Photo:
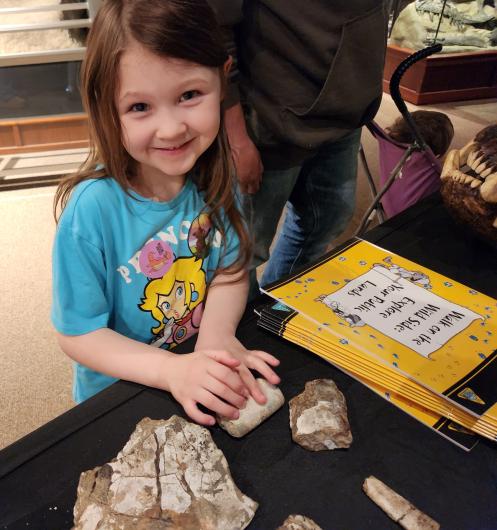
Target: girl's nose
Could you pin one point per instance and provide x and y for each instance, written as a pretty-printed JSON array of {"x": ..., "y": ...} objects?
[{"x": 170, "y": 126}]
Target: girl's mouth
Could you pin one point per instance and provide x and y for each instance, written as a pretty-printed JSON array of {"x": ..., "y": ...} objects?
[{"x": 175, "y": 149}]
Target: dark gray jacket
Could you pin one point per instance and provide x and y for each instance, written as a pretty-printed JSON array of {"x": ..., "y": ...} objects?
[{"x": 311, "y": 69}]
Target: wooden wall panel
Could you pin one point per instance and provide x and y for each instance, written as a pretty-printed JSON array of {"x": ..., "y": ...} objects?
[
  {"x": 7, "y": 136},
  {"x": 33, "y": 133},
  {"x": 47, "y": 133}
]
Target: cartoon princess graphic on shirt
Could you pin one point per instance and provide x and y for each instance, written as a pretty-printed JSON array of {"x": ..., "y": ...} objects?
[{"x": 176, "y": 302}]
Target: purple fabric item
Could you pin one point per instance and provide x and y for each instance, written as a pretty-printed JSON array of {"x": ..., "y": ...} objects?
[{"x": 419, "y": 177}]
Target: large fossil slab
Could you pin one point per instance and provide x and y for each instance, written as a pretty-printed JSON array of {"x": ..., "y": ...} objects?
[
  {"x": 170, "y": 475},
  {"x": 318, "y": 417}
]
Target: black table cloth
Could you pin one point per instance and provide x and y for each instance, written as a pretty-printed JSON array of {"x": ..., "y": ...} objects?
[{"x": 39, "y": 473}]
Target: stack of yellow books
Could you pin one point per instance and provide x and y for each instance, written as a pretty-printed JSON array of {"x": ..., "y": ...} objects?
[{"x": 421, "y": 340}]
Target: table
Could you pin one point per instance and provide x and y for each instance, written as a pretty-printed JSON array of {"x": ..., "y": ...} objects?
[{"x": 40, "y": 472}]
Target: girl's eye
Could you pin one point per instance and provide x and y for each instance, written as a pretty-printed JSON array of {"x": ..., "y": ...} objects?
[
  {"x": 190, "y": 94},
  {"x": 139, "y": 107},
  {"x": 179, "y": 292},
  {"x": 166, "y": 306}
]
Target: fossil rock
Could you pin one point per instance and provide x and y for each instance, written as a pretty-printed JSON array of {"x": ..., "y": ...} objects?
[
  {"x": 254, "y": 414},
  {"x": 298, "y": 522},
  {"x": 318, "y": 417},
  {"x": 469, "y": 184},
  {"x": 396, "y": 507},
  {"x": 170, "y": 475}
]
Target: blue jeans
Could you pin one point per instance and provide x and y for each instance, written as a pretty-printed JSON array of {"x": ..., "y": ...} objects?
[{"x": 320, "y": 198}]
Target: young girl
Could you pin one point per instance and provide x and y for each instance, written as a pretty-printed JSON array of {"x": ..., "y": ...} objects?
[{"x": 133, "y": 274}]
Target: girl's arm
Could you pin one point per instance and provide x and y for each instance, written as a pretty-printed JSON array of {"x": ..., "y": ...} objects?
[
  {"x": 225, "y": 304},
  {"x": 200, "y": 377}
]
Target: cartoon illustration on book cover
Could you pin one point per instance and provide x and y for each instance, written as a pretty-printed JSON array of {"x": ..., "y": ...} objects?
[
  {"x": 417, "y": 277},
  {"x": 340, "y": 311}
]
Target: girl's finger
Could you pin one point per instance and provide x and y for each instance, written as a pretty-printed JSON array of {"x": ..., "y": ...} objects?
[
  {"x": 264, "y": 370},
  {"x": 229, "y": 377},
  {"x": 267, "y": 357},
  {"x": 223, "y": 357},
  {"x": 218, "y": 406},
  {"x": 196, "y": 415},
  {"x": 221, "y": 390},
  {"x": 252, "y": 385}
]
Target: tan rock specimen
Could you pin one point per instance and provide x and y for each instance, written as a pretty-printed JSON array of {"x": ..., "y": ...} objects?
[
  {"x": 318, "y": 417},
  {"x": 396, "y": 507},
  {"x": 254, "y": 414},
  {"x": 298, "y": 522},
  {"x": 170, "y": 475}
]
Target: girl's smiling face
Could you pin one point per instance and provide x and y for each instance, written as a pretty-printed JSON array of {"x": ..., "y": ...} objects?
[{"x": 169, "y": 111}]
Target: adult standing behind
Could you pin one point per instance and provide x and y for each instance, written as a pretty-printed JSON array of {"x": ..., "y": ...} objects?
[{"x": 306, "y": 77}]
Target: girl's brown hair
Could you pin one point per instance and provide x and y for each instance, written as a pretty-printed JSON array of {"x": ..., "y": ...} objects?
[{"x": 180, "y": 29}]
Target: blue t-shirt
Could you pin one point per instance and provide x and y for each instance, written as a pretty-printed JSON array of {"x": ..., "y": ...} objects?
[{"x": 133, "y": 265}]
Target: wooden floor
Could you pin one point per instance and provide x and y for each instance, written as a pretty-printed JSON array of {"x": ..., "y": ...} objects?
[{"x": 36, "y": 377}]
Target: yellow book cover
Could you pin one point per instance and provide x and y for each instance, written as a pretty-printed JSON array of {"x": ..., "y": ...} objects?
[{"x": 430, "y": 328}]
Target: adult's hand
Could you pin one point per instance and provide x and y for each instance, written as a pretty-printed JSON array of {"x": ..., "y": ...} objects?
[
  {"x": 246, "y": 157},
  {"x": 248, "y": 166}
]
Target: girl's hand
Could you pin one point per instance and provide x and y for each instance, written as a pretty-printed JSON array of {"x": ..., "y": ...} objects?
[
  {"x": 208, "y": 377},
  {"x": 260, "y": 361}
]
